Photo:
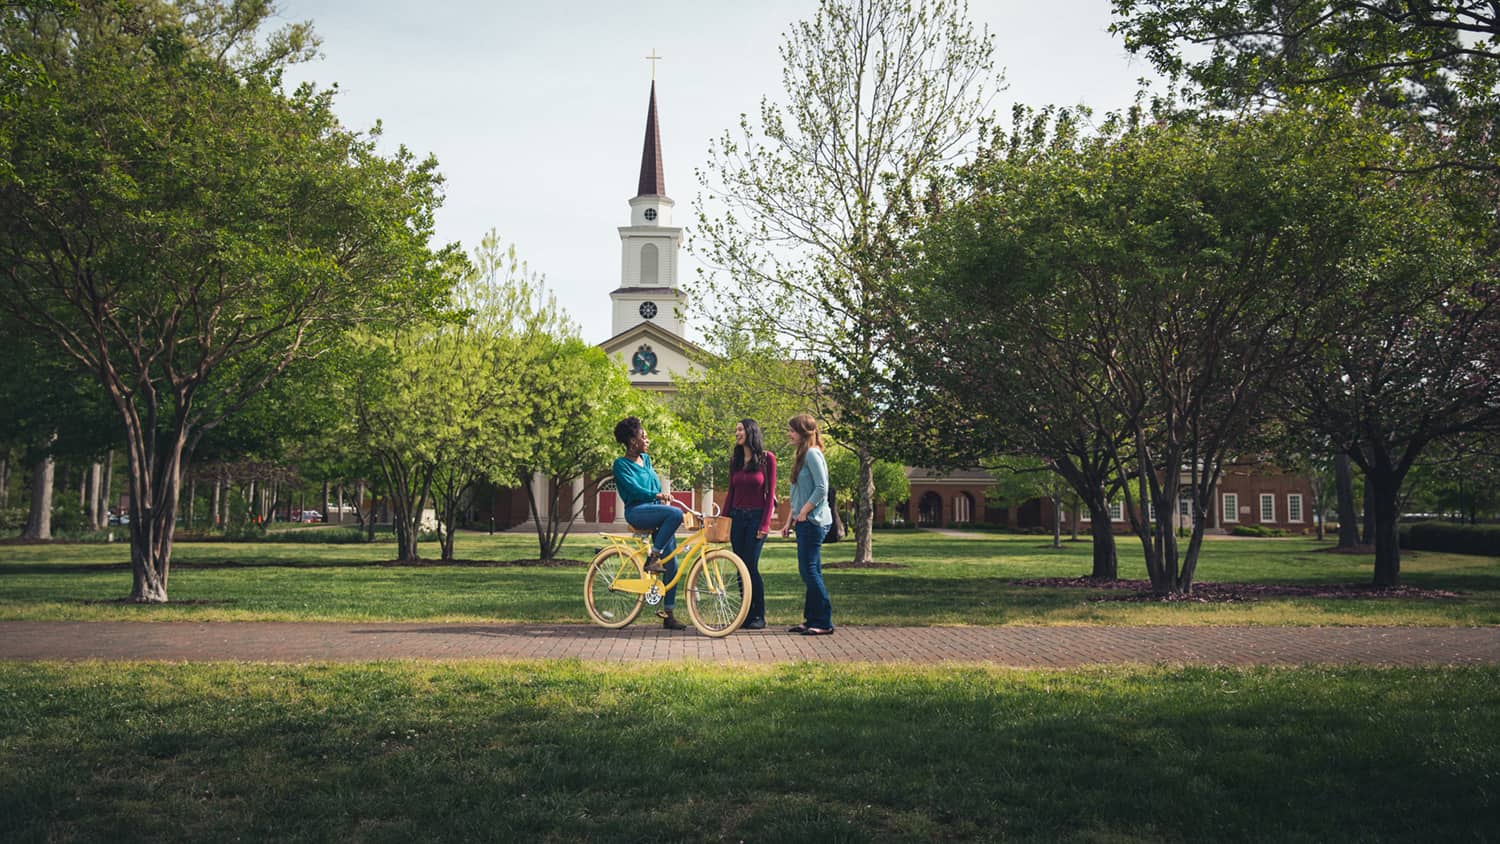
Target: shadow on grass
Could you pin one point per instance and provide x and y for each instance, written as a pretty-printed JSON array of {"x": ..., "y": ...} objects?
[
  {"x": 212, "y": 565},
  {"x": 796, "y": 753}
]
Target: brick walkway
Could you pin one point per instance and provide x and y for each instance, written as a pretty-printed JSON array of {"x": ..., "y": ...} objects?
[{"x": 1011, "y": 646}]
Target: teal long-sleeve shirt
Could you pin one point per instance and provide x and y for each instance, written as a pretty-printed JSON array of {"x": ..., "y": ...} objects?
[
  {"x": 636, "y": 483},
  {"x": 811, "y": 484}
]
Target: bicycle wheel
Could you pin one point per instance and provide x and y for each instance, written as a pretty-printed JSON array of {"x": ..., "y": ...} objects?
[
  {"x": 718, "y": 593},
  {"x": 607, "y": 607}
]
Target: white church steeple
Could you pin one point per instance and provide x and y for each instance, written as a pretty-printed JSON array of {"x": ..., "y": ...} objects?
[{"x": 650, "y": 246}]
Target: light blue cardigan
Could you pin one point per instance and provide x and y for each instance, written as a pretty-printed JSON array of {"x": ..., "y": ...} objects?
[{"x": 811, "y": 484}]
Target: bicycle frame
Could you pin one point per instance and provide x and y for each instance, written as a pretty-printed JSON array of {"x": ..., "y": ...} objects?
[{"x": 687, "y": 552}]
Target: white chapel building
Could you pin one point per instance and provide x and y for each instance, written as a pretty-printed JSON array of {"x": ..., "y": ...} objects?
[{"x": 649, "y": 309}]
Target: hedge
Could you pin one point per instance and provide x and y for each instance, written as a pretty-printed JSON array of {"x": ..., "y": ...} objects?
[{"x": 1453, "y": 538}]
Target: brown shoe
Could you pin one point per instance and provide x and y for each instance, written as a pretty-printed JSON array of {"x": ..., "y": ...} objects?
[
  {"x": 653, "y": 564},
  {"x": 670, "y": 621}
]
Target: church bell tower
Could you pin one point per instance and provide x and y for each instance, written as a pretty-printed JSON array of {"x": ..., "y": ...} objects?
[{"x": 649, "y": 246}]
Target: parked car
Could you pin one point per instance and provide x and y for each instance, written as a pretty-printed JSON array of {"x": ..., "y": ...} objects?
[{"x": 310, "y": 516}]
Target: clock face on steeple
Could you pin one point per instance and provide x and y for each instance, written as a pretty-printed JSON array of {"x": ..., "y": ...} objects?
[
  {"x": 648, "y": 310},
  {"x": 650, "y": 214}
]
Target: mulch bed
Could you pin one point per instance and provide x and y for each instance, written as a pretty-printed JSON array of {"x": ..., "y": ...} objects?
[
  {"x": 853, "y": 565},
  {"x": 1228, "y": 593},
  {"x": 200, "y": 602}
]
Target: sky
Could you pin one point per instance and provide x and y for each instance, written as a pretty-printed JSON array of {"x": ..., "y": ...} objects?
[{"x": 536, "y": 110}]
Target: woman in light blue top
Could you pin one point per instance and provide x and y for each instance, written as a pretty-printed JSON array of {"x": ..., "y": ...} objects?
[
  {"x": 646, "y": 507},
  {"x": 810, "y": 517}
]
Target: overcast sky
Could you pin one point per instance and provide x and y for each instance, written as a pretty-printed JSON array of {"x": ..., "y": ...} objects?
[{"x": 536, "y": 111}]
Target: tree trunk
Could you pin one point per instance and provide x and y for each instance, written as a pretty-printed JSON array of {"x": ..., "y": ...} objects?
[
  {"x": 1074, "y": 522},
  {"x": 1056, "y": 522},
  {"x": 4, "y": 478},
  {"x": 864, "y": 508},
  {"x": 213, "y": 504},
  {"x": 324, "y": 511},
  {"x": 543, "y": 532},
  {"x": 90, "y": 489},
  {"x": 192, "y": 501},
  {"x": 39, "y": 520},
  {"x": 1369, "y": 521},
  {"x": 370, "y": 519},
  {"x": 360, "y": 514},
  {"x": 1106, "y": 561},
  {"x": 1344, "y": 494},
  {"x": 106, "y": 489},
  {"x": 1384, "y": 487},
  {"x": 155, "y": 479}
]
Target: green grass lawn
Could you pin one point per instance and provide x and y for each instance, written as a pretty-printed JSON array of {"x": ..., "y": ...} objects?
[
  {"x": 943, "y": 580},
  {"x": 566, "y": 751}
]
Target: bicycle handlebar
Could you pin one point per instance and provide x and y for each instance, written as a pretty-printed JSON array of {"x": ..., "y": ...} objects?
[{"x": 717, "y": 512}]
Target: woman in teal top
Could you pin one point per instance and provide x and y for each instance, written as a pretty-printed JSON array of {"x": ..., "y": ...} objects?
[
  {"x": 810, "y": 517},
  {"x": 645, "y": 507}
]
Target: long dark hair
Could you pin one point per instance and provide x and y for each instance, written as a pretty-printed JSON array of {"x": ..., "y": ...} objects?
[{"x": 754, "y": 443}]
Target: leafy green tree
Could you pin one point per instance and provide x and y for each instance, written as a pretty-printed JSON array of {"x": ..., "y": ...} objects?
[
  {"x": 512, "y": 318},
  {"x": 50, "y": 410},
  {"x": 999, "y": 377},
  {"x": 186, "y": 229},
  {"x": 577, "y": 395},
  {"x": 891, "y": 484},
  {"x": 812, "y": 201},
  {"x": 441, "y": 405},
  {"x": 747, "y": 378},
  {"x": 1430, "y": 67},
  {"x": 1189, "y": 269},
  {"x": 1431, "y": 72}
]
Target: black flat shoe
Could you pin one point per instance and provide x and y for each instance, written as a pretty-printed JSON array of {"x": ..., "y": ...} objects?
[
  {"x": 818, "y": 631},
  {"x": 801, "y": 628},
  {"x": 670, "y": 622},
  {"x": 757, "y": 624}
]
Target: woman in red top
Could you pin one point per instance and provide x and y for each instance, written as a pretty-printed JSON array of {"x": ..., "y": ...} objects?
[{"x": 752, "y": 488}]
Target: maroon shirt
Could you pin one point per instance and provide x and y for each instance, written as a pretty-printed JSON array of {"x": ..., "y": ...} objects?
[{"x": 754, "y": 489}]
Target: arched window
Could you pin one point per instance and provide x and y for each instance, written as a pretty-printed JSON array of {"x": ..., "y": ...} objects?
[
  {"x": 648, "y": 265},
  {"x": 963, "y": 508},
  {"x": 930, "y": 510}
]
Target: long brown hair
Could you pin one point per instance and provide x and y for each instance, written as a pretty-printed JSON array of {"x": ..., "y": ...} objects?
[{"x": 807, "y": 428}]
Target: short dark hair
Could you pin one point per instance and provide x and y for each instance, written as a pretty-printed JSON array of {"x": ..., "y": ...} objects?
[{"x": 627, "y": 429}]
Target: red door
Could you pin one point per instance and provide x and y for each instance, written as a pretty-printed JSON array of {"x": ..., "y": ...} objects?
[
  {"x": 684, "y": 498},
  {"x": 606, "y": 506}
]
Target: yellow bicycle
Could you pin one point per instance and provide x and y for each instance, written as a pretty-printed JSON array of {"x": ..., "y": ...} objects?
[{"x": 718, "y": 582}]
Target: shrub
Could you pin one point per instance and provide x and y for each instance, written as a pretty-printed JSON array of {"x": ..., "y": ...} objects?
[
  {"x": 1256, "y": 530},
  {"x": 1452, "y": 538}
]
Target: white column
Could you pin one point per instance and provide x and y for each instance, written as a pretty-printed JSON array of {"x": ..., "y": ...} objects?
[
  {"x": 577, "y": 498},
  {"x": 539, "y": 489}
]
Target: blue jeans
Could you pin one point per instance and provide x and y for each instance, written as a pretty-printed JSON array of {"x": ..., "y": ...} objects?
[
  {"x": 666, "y": 519},
  {"x": 817, "y": 611},
  {"x": 743, "y": 527}
]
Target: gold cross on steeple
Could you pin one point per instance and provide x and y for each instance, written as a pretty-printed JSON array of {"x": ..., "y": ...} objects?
[{"x": 653, "y": 59}]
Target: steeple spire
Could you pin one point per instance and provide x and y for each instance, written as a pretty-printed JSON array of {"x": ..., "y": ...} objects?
[{"x": 653, "y": 182}]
